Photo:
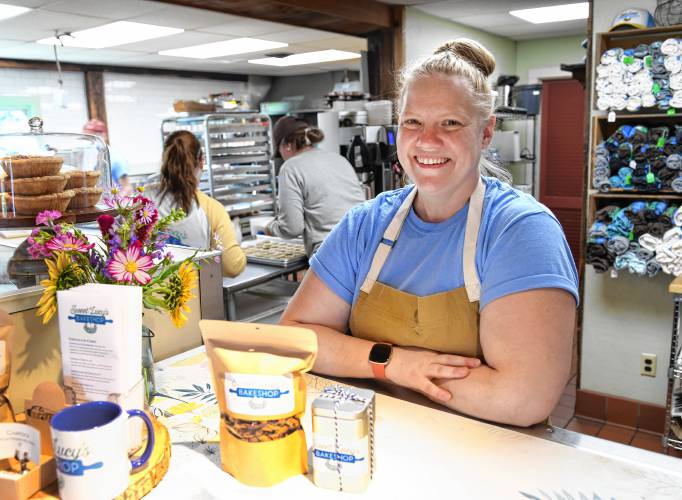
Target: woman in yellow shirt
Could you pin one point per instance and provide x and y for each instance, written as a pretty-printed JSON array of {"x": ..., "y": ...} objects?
[{"x": 207, "y": 224}]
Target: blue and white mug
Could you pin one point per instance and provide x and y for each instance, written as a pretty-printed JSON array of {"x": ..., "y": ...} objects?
[{"x": 90, "y": 446}]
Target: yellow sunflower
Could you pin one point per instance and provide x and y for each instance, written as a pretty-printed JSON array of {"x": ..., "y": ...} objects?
[
  {"x": 180, "y": 288},
  {"x": 63, "y": 274}
]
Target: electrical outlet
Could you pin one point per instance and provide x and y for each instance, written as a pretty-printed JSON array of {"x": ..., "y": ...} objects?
[{"x": 647, "y": 365}]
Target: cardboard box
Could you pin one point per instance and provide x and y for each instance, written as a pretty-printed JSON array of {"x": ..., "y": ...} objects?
[{"x": 15, "y": 486}]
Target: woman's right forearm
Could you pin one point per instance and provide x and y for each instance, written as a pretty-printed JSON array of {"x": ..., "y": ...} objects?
[
  {"x": 233, "y": 260},
  {"x": 338, "y": 354}
]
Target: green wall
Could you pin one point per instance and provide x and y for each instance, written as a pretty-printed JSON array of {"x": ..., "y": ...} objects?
[{"x": 547, "y": 52}]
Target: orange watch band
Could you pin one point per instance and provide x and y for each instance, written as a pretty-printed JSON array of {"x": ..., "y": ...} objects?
[
  {"x": 378, "y": 369},
  {"x": 379, "y": 357}
]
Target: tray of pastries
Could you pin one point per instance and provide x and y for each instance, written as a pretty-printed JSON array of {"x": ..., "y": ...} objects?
[{"x": 275, "y": 253}]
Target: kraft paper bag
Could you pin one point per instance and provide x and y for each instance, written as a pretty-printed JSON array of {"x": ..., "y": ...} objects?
[{"x": 258, "y": 380}]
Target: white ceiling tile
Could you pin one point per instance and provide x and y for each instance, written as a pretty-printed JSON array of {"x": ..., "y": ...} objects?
[
  {"x": 39, "y": 24},
  {"x": 85, "y": 56},
  {"x": 546, "y": 30},
  {"x": 118, "y": 9},
  {"x": 244, "y": 26},
  {"x": 350, "y": 43},
  {"x": 490, "y": 21},
  {"x": 185, "y": 39},
  {"x": 175, "y": 16},
  {"x": 142, "y": 59},
  {"x": 301, "y": 35},
  {"x": 454, "y": 9}
]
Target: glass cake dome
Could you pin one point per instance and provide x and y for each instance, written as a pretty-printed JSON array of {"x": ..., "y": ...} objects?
[{"x": 52, "y": 171}]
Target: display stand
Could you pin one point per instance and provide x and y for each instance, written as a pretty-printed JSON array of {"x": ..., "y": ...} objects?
[
  {"x": 74, "y": 216},
  {"x": 238, "y": 152}
]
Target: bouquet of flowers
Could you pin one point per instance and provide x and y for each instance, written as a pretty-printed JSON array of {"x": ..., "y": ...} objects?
[{"x": 130, "y": 251}]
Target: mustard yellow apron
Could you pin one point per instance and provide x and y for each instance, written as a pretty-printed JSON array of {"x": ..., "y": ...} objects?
[{"x": 444, "y": 322}]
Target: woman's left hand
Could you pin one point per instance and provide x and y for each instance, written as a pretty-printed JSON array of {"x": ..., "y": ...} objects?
[{"x": 419, "y": 369}]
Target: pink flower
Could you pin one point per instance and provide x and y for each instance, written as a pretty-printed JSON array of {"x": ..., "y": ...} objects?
[
  {"x": 117, "y": 201},
  {"x": 148, "y": 214},
  {"x": 131, "y": 265},
  {"x": 68, "y": 243},
  {"x": 47, "y": 216}
]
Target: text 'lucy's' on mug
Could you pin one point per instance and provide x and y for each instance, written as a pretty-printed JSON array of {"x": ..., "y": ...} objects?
[{"x": 90, "y": 446}]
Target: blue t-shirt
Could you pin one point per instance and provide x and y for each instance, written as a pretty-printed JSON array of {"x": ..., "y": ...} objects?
[{"x": 521, "y": 246}]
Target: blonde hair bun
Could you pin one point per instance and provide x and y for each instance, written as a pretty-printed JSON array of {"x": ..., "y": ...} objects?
[{"x": 472, "y": 52}]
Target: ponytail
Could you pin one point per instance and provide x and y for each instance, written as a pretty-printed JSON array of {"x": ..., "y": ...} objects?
[
  {"x": 304, "y": 137},
  {"x": 181, "y": 157}
]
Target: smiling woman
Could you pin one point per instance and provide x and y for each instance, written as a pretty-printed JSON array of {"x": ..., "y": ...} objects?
[{"x": 458, "y": 286}]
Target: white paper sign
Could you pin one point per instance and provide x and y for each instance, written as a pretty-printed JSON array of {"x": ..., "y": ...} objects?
[
  {"x": 259, "y": 395},
  {"x": 20, "y": 441},
  {"x": 100, "y": 337}
]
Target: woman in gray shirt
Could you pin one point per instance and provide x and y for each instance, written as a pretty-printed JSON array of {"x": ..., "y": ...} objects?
[{"x": 316, "y": 187}]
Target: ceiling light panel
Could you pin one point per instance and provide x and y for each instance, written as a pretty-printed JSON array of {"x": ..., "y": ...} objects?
[
  {"x": 224, "y": 48},
  {"x": 7, "y": 11},
  {"x": 553, "y": 14},
  {"x": 113, "y": 34},
  {"x": 319, "y": 56}
]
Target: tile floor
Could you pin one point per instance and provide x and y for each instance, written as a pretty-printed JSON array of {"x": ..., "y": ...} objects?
[{"x": 564, "y": 416}]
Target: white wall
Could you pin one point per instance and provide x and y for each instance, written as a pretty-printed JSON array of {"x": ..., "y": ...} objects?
[
  {"x": 627, "y": 316},
  {"x": 59, "y": 115},
  {"x": 622, "y": 318},
  {"x": 136, "y": 104},
  {"x": 424, "y": 33}
]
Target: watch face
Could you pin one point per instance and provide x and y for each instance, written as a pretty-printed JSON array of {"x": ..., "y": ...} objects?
[{"x": 380, "y": 353}]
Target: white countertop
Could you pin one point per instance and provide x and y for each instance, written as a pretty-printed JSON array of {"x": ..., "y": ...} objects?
[{"x": 421, "y": 452}]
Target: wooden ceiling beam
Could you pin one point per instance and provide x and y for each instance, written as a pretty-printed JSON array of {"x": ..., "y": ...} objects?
[{"x": 350, "y": 17}]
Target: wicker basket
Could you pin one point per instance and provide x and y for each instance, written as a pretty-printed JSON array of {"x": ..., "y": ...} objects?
[
  {"x": 32, "y": 205},
  {"x": 34, "y": 186},
  {"x": 81, "y": 178},
  {"x": 86, "y": 197},
  {"x": 22, "y": 166}
]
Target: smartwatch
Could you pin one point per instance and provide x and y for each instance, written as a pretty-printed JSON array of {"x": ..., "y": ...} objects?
[{"x": 379, "y": 357}]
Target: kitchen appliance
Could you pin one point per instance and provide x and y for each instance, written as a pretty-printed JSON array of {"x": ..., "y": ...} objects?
[
  {"x": 373, "y": 156},
  {"x": 352, "y": 118},
  {"x": 504, "y": 89}
]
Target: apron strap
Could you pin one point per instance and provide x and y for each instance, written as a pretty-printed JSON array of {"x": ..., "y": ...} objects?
[
  {"x": 387, "y": 242},
  {"x": 471, "y": 281}
]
